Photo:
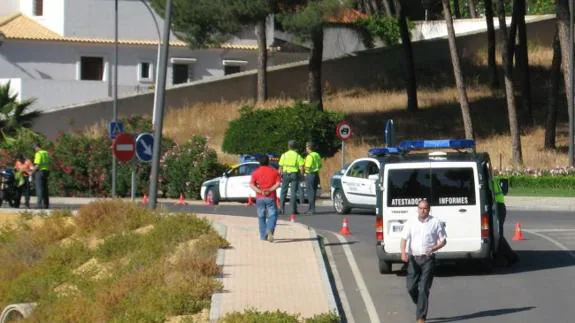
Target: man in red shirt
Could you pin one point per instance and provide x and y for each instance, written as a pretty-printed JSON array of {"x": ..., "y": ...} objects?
[{"x": 265, "y": 180}]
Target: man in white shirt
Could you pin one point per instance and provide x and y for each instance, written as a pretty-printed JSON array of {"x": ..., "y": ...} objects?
[{"x": 425, "y": 236}]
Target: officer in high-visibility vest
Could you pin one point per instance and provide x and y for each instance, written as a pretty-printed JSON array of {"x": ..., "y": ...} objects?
[
  {"x": 312, "y": 167},
  {"x": 505, "y": 255},
  {"x": 291, "y": 166},
  {"x": 41, "y": 173}
]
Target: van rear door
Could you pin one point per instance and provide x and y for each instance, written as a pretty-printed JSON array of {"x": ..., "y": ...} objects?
[{"x": 453, "y": 193}]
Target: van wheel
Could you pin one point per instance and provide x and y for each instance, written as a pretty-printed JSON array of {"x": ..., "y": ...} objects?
[
  {"x": 384, "y": 267},
  {"x": 487, "y": 264},
  {"x": 339, "y": 203}
]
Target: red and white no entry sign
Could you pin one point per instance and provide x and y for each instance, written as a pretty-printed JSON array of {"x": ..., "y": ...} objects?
[
  {"x": 343, "y": 130},
  {"x": 124, "y": 147}
]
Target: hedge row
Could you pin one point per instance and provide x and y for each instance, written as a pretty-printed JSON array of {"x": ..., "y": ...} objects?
[{"x": 541, "y": 182}]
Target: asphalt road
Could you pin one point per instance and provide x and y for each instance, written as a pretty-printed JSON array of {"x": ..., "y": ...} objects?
[{"x": 539, "y": 288}]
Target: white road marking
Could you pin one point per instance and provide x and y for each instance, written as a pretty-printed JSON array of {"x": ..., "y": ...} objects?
[
  {"x": 371, "y": 311},
  {"x": 339, "y": 285},
  {"x": 553, "y": 241},
  {"x": 552, "y": 230}
]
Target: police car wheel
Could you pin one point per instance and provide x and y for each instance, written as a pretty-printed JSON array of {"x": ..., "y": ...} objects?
[
  {"x": 211, "y": 197},
  {"x": 339, "y": 203},
  {"x": 384, "y": 267}
]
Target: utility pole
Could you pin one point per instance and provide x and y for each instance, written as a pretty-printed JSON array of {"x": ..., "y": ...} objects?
[
  {"x": 159, "y": 103},
  {"x": 115, "y": 93},
  {"x": 571, "y": 81}
]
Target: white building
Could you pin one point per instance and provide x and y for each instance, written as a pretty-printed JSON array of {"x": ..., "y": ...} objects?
[{"x": 61, "y": 51}]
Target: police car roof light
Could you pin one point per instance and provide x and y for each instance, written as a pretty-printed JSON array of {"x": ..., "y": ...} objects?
[
  {"x": 254, "y": 157},
  {"x": 384, "y": 151},
  {"x": 435, "y": 144}
]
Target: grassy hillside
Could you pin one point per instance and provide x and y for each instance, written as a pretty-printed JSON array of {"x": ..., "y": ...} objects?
[{"x": 439, "y": 116}]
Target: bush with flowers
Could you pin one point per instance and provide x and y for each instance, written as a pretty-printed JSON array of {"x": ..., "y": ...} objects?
[
  {"x": 541, "y": 178},
  {"x": 184, "y": 167}
]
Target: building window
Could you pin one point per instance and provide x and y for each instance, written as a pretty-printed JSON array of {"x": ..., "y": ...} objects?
[
  {"x": 231, "y": 69},
  {"x": 180, "y": 73},
  {"x": 233, "y": 66},
  {"x": 38, "y": 7},
  {"x": 91, "y": 68},
  {"x": 145, "y": 72}
]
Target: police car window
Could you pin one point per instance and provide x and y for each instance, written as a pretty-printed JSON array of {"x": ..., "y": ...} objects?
[
  {"x": 372, "y": 168},
  {"x": 440, "y": 186},
  {"x": 358, "y": 170}
]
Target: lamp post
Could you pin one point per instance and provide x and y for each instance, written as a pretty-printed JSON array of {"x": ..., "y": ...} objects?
[
  {"x": 115, "y": 92},
  {"x": 570, "y": 100},
  {"x": 154, "y": 112},
  {"x": 159, "y": 102}
]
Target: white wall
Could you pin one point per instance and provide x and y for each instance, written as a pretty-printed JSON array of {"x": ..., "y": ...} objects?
[
  {"x": 53, "y": 14},
  {"x": 9, "y": 7}
]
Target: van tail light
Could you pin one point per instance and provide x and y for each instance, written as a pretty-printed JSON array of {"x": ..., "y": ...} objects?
[
  {"x": 379, "y": 228},
  {"x": 485, "y": 226}
]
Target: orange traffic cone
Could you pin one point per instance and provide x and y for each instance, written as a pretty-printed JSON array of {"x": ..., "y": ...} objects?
[
  {"x": 345, "y": 227},
  {"x": 518, "y": 234},
  {"x": 292, "y": 218},
  {"x": 181, "y": 200},
  {"x": 145, "y": 201},
  {"x": 250, "y": 201}
]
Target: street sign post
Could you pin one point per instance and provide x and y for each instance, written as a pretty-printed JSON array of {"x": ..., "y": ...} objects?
[
  {"x": 343, "y": 132},
  {"x": 145, "y": 147},
  {"x": 124, "y": 147}
]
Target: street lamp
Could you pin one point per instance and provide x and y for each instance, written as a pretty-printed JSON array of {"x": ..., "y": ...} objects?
[{"x": 157, "y": 60}]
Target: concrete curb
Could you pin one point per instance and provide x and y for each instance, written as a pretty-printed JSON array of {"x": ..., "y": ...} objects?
[
  {"x": 327, "y": 286},
  {"x": 215, "y": 306}
]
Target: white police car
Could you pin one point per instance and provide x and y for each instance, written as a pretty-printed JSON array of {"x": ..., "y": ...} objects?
[
  {"x": 354, "y": 185},
  {"x": 234, "y": 184}
]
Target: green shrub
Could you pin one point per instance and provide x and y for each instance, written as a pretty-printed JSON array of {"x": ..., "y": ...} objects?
[
  {"x": 185, "y": 167},
  {"x": 268, "y": 131},
  {"x": 563, "y": 182}
]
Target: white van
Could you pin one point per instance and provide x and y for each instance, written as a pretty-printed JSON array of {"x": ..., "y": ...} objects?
[{"x": 458, "y": 187}]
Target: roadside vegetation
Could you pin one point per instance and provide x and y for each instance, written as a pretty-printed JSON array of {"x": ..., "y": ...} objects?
[{"x": 113, "y": 262}]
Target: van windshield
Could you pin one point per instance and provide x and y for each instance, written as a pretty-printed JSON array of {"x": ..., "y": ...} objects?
[{"x": 440, "y": 186}]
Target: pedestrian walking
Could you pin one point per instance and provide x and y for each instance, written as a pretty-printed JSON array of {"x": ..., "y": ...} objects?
[
  {"x": 291, "y": 166},
  {"x": 264, "y": 181},
  {"x": 24, "y": 168},
  {"x": 41, "y": 172},
  {"x": 312, "y": 166},
  {"x": 424, "y": 235}
]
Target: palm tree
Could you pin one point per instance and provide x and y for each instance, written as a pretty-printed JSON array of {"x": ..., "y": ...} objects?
[
  {"x": 459, "y": 82},
  {"x": 13, "y": 115}
]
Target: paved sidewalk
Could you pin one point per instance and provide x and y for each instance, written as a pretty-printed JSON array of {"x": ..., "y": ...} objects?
[{"x": 288, "y": 274}]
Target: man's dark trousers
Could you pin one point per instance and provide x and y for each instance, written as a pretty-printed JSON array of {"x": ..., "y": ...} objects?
[
  {"x": 287, "y": 179},
  {"x": 419, "y": 280},
  {"x": 41, "y": 181},
  {"x": 311, "y": 183}
]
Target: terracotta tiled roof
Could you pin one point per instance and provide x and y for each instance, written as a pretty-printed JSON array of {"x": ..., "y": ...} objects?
[
  {"x": 347, "y": 16},
  {"x": 20, "y": 27}
]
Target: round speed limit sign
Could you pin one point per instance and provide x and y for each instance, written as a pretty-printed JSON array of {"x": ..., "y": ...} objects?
[{"x": 343, "y": 130}]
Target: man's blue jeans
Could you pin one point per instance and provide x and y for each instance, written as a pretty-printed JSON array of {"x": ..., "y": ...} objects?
[{"x": 266, "y": 223}]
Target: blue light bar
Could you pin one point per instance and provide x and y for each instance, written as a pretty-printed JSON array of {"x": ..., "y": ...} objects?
[
  {"x": 255, "y": 157},
  {"x": 384, "y": 151},
  {"x": 434, "y": 144}
]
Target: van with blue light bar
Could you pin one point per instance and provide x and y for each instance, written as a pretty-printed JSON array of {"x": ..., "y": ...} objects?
[{"x": 455, "y": 180}]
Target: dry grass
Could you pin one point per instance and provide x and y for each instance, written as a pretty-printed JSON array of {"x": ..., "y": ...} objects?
[{"x": 439, "y": 116}]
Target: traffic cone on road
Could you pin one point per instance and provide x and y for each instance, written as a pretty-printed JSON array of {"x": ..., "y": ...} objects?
[
  {"x": 344, "y": 231},
  {"x": 181, "y": 200},
  {"x": 518, "y": 234},
  {"x": 292, "y": 218},
  {"x": 145, "y": 201},
  {"x": 250, "y": 201}
]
